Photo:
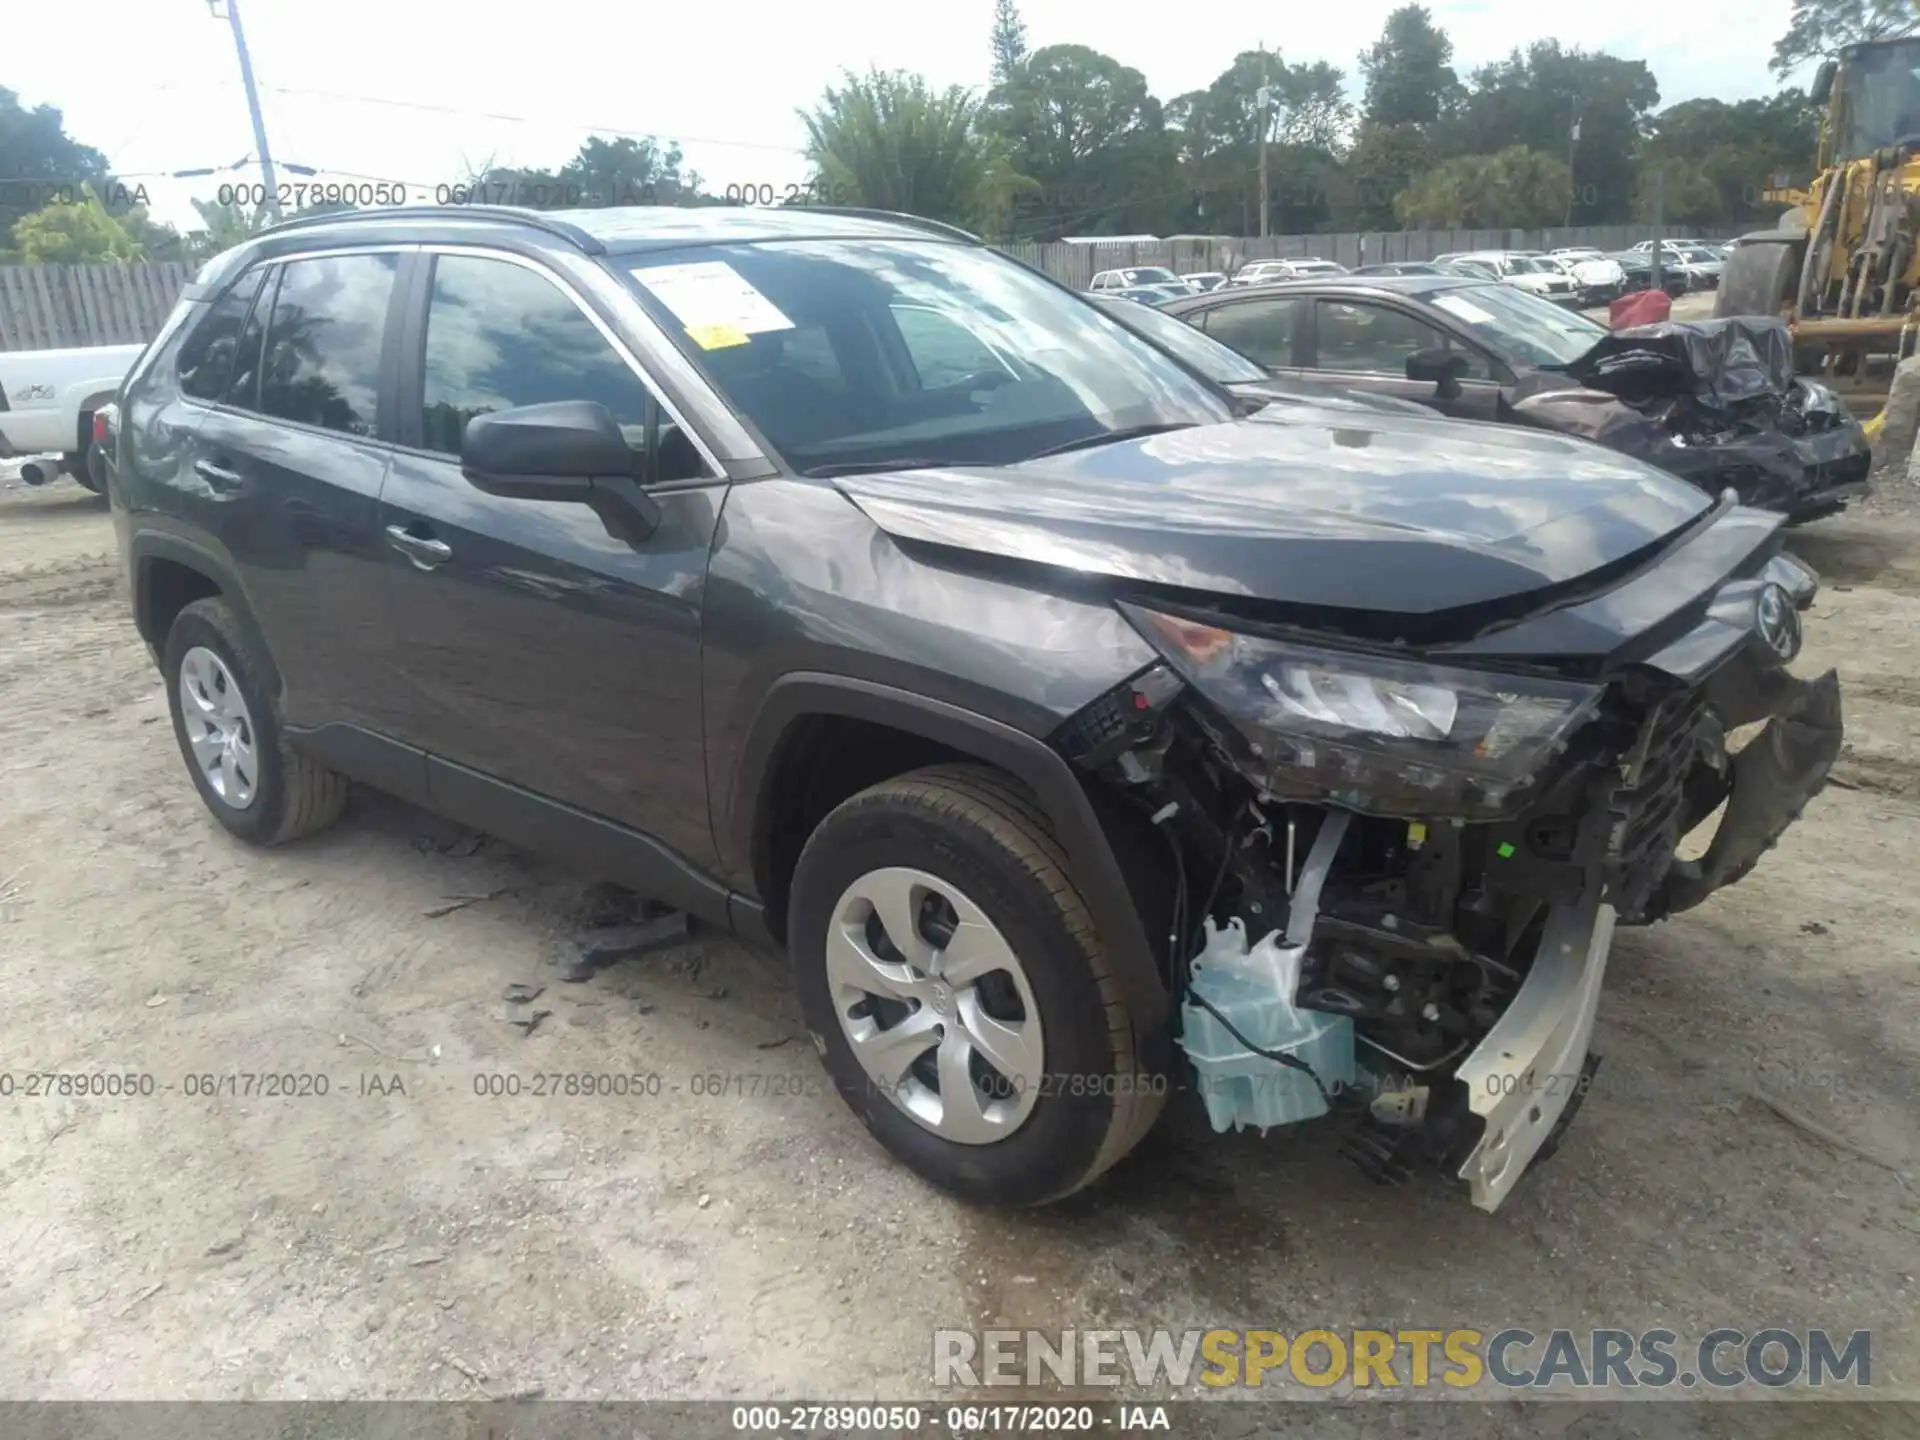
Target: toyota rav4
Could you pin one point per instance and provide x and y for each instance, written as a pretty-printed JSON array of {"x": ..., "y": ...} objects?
[{"x": 1081, "y": 730}]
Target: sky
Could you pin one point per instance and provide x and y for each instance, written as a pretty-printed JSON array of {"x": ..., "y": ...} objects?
[{"x": 418, "y": 92}]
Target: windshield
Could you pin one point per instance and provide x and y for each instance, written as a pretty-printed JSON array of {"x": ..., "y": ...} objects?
[
  {"x": 1150, "y": 275},
  {"x": 1205, "y": 354},
  {"x": 1699, "y": 253},
  {"x": 909, "y": 352},
  {"x": 1880, "y": 101},
  {"x": 1520, "y": 326}
]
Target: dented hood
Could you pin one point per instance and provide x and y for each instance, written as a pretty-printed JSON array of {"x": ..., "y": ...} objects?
[{"x": 1370, "y": 512}]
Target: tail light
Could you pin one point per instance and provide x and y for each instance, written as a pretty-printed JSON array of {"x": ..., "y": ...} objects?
[{"x": 99, "y": 429}]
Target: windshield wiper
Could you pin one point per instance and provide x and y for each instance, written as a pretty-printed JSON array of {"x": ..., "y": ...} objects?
[{"x": 1108, "y": 437}]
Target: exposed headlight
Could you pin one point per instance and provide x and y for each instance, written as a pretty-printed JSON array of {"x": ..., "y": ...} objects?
[{"x": 1384, "y": 736}]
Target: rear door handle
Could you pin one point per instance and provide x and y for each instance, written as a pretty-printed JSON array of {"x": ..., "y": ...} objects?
[
  {"x": 423, "y": 550},
  {"x": 219, "y": 477}
]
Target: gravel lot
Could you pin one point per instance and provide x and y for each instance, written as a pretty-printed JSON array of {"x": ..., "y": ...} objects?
[{"x": 431, "y": 1242}]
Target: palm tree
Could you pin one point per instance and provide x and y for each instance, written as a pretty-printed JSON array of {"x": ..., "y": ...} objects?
[{"x": 887, "y": 140}]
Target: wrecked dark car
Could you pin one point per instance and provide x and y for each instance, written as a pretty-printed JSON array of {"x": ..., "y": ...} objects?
[
  {"x": 1080, "y": 737},
  {"x": 1715, "y": 402}
]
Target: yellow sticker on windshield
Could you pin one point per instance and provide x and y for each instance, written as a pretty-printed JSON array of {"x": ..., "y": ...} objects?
[{"x": 717, "y": 337}]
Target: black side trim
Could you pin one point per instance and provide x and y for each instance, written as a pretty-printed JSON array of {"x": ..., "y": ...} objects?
[
  {"x": 372, "y": 759},
  {"x": 145, "y": 546},
  {"x": 1042, "y": 769},
  {"x": 596, "y": 844}
]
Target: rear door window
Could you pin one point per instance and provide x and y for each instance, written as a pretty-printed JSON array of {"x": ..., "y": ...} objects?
[{"x": 322, "y": 364}]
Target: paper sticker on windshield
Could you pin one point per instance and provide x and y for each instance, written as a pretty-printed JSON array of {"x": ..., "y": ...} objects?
[
  {"x": 1465, "y": 309},
  {"x": 712, "y": 299},
  {"x": 717, "y": 337}
]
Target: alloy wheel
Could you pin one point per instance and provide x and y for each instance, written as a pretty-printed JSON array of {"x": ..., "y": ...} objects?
[
  {"x": 935, "y": 1005},
  {"x": 219, "y": 728}
]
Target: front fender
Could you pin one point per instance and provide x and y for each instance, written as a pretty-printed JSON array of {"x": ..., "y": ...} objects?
[{"x": 1042, "y": 769}]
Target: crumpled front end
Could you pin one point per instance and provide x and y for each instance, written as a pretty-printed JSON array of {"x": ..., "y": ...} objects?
[
  {"x": 1396, "y": 882},
  {"x": 1716, "y": 403}
]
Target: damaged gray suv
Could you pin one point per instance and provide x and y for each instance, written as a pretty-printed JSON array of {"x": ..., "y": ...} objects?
[{"x": 1084, "y": 732}]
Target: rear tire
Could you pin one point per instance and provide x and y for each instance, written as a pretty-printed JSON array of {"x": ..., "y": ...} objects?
[
  {"x": 1760, "y": 279},
  {"x": 968, "y": 837},
  {"x": 274, "y": 794},
  {"x": 85, "y": 469}
]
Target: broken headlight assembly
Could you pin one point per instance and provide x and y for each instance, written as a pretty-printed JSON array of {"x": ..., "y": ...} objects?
[{"x": 1370, "y": 733}]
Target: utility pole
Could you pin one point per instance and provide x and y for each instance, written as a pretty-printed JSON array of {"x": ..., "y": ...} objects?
[
  {"x": 232, "y": 17},
  {"x": 1265, "y": 97},
  {"x": 1659, "y": 223},
  {"x": 1573, "y": 139}
]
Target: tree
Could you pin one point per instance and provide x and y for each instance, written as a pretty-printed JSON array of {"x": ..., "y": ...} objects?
[
  {"x": 37, "y": 155},
  {"x": 1532, "y": 99},
  {"x": 1731, "y": 149},
  {"x": 74, "y": 234},
  {"x": 1089, "y": 133},
  {"x": 603, "y": 171},
  {"x": 1218, "y": 133},
  {"x": 1409, "y": 70},
  {"x": 888, "y": 140},
  {"x": 1384, "y": 161},
  {"x": 1514, "y": 188},
  {"x": 1819, "y": 28},
  {"x": 1009, "y": 41},
  {"x": 224, "y": 226}
]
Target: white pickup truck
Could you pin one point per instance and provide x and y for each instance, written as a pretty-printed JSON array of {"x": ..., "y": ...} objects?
[{"x": 47, "y": 400}]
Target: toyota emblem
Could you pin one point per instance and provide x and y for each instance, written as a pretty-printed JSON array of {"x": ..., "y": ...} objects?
[{"x": 1776, "y": 622}]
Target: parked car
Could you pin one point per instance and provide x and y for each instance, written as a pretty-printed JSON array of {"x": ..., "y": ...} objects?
[
  {"x": 1133, "y": 277},
  {"x": 1407, "y": 267},
  {"x": 1577, "y": 252},
  {"x": 1240, "y": 374},
  {"x": 1645, "y": 246},
  {"x": 1598, "y": 280},
  {"x": 1060, "y": 724},
  {"x": 1266, "y": 272},
  {"x": 1148, "y": 294},
  {"x": 1523, "y": 272},
  {"x": 1637, "y": 267},
  {"x": 47, "y": 401},
  {"x": 1484, "y": 351},
  {"x": 1204, "y": 280}
]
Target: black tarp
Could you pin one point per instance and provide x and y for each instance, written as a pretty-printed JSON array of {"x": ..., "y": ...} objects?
[{"x": 1715, "y": 402}]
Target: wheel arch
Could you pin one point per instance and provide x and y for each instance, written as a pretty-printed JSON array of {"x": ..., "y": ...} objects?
[
  {"x": 170, "y": 573},
  {"x": 930, "y": 731}
]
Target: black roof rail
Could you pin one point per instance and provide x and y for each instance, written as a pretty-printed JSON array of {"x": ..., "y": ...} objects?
[
  {"x": 918, "y": 222},
  {"x": 520, "y": 215}
]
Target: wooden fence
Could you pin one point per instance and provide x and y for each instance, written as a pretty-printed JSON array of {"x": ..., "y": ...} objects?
[
  {"x": 45, "y": 307},
  {"x": 51, "y": 307}
]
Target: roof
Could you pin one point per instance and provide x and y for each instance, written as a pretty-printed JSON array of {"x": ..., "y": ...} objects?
[
  {"x": 1350, "y": 284},
  {"x": 623, "y": 229}
]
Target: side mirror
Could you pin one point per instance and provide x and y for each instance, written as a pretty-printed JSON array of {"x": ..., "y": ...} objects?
[
  {"x": 545, "y": 452},
  {"x": 1822, "y": 87},
  {"x": 1440, "y": 368}
]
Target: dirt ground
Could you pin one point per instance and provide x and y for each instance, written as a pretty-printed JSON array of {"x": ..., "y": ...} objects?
[{"x": 405, "y": 1236}]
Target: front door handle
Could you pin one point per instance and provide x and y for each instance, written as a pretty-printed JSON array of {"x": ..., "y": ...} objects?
[
  {"x": 219, "y": 477},
  {"x": 423, "y": 550}
]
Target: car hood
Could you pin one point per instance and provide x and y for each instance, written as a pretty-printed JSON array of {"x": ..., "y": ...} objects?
[{"x": 1364, "y": 512}]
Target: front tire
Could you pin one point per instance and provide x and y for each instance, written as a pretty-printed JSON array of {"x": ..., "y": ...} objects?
[
  {"x": 228, "y": 727},
  {"x": 953, "y": 983},
  {"x": 1760, "y": 279}
]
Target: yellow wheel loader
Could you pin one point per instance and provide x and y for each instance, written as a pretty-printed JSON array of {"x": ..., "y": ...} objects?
[{"x": 1843, "y": 267}]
